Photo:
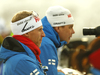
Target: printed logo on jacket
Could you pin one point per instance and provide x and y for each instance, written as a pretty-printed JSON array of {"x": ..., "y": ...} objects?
[{"x": 51, "y": 62}]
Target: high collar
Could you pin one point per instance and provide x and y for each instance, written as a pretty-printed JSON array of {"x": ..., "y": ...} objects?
[
  {"x": 51, "y": 33},
  {"x": 11, "y": 47}
]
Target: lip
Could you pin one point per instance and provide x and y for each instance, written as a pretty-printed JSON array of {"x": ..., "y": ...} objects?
[
  {"x": 69, "y": 38},
  {"x": 40, "y": 40}
]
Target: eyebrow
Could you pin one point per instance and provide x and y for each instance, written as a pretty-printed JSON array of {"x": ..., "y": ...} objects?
[
  {"x": 40, "y": 28},
  {"x": 71, "y": 25}
]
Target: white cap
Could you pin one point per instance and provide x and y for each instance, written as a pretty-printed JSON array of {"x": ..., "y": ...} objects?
[{"x": 59, "y": 16}]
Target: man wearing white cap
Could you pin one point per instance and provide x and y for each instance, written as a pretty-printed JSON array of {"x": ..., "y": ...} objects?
[
  {"x": 58, "y": 28},
  {"x": 20, "y": 52}
]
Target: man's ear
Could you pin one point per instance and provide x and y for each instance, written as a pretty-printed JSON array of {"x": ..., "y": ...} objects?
[{"x": 56, "y": 29}]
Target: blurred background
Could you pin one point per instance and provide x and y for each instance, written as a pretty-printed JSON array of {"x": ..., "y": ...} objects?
[{"x": 85, "y": 12}]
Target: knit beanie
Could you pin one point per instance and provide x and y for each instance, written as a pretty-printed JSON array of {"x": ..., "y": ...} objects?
[{"x": 59, "y": 16}]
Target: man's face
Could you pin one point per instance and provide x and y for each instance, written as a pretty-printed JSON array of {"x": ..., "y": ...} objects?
[
  {"x": 37, "y": 35},
  {"x": 65, "y": 32}
]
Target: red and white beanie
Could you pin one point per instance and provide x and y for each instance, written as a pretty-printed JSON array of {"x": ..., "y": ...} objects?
[{"x": 59, "y": 16}]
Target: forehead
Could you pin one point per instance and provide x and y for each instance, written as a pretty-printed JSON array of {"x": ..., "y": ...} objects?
[
  {"x": 37, "y": 29},
  {"x": 41, "y": 27},
  {"x": 70, "y": 25}
]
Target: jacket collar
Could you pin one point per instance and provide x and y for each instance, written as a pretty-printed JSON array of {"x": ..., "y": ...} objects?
[{"x": 51, "y": 33}]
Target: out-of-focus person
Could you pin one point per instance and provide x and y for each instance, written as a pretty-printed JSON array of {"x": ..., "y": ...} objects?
[
  {"x": 88, "y": 61},
  {"x": 4, "y": 32},
  {"x": 58, "y": 27}
]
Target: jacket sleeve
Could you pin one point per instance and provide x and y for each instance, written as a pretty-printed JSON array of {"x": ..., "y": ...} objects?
[
  {"x": 94, "y": 71},
  {"x": 28, "y": 66}
]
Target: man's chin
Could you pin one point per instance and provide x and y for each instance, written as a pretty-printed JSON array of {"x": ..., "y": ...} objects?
[
  {"x": 39, "y": 45},
  {"x": 67, "y": 41}
]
